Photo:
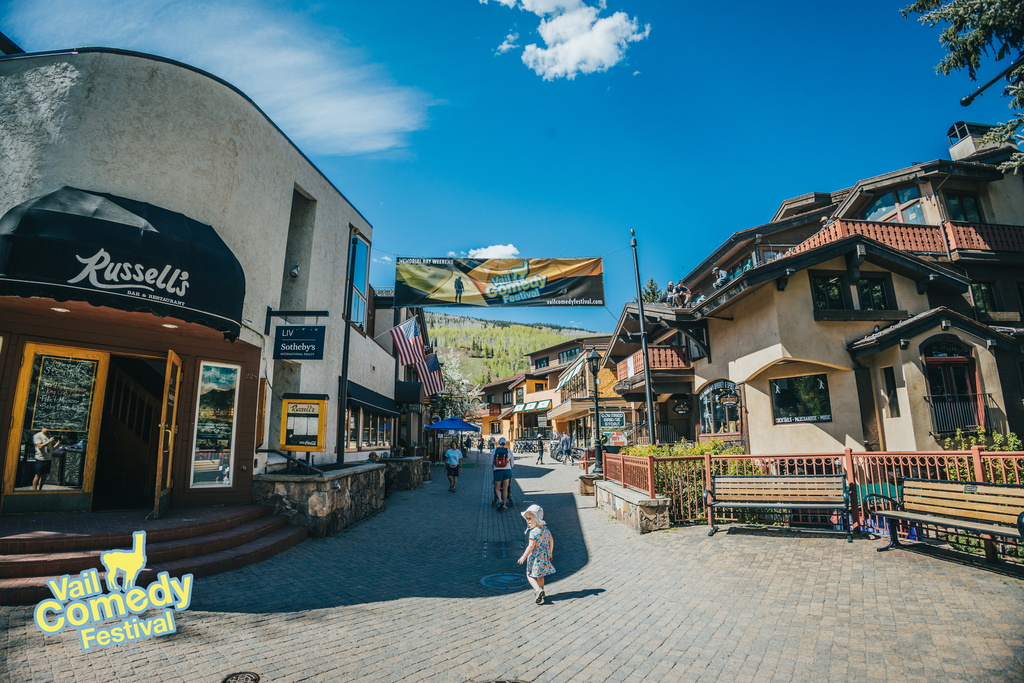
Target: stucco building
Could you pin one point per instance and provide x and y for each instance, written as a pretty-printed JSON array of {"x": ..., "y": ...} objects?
[
  {"x": 151, "y": 215},
  {"x": 885, "y": 316}
]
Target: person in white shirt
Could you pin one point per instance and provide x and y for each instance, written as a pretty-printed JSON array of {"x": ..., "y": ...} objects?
[
  {"x": 452, "y": 467},
  {"x": 44, "y": 446}
]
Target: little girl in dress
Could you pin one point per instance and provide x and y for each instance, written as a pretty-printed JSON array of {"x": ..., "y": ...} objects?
[{"x": 539, "y": 552}]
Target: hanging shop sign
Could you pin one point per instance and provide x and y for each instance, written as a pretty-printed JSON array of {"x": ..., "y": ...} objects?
[
  {"x": 616, "y": 438},
  {"x": 612, "y": 421},
  {"x": 120, "y": 253},
  {"x": 682, "y": 407},
  {"x": 729, "y": 398},
  {"x": 499, "y": 282},
  {"x": 299, "y": 342},
  {"x": 435, "y": 418},
  {"x": 304, "y": 422}
]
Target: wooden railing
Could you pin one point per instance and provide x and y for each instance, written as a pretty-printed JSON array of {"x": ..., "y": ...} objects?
[
  {"x": 662, "y": 358},
  {"x": 985, "y": 237},
  {"x": 684, "y": 480},
  {"x": 636, "y": 473},
  {"x": 922, "y": 239}
]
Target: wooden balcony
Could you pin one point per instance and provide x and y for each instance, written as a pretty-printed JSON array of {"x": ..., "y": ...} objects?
[
  {"x": 662, "y": 358},
  {"x": 923, "y": 239}
]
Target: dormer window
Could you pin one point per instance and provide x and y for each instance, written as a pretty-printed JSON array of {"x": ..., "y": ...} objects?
[{"x": 897, "y": 206}]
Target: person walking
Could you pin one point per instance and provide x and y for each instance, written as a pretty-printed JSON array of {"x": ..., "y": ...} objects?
[
  {"x": 452, "y": 468},
  {"x": 539, "y": 552},
  {"x": 502, "y": 462},
  {"x": 490, "y": 444},
  {"x": 540, "y": 448},
  {"x": 566, "y": 443}
]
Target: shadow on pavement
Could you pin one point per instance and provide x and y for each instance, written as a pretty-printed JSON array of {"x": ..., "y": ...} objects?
[
  {"x": 572, "y": 595},
  {"x": 425, "y": 544}
]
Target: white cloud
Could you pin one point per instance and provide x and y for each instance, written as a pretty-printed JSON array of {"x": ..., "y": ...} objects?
[
  {"x": 576, "y": 38},
  {"x": 495, "y": 251},
  {"x": 509, "y": 44},
  {"x": 451, "y": 254},
  {"x": 382, "y": 259},
  {"x": 325, "y": 95}
]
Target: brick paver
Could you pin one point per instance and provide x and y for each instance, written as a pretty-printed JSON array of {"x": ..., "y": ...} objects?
[{"x": 398, "y": 598}]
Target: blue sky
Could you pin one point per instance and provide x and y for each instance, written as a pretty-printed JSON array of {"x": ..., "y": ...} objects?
[{"x": 684, "y": 121}]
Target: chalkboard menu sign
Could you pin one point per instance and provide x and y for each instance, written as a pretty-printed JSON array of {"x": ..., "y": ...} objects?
[{"x": 61, "y": 393}]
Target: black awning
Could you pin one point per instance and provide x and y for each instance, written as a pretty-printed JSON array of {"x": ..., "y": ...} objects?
[
  {"x": 110, "y": 251},
  {"x": 368, "y": 398},
  {"x": 408, "y": 392}
]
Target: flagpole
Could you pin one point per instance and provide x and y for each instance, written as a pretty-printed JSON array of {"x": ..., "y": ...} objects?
[{"x": 343, "y": 379}]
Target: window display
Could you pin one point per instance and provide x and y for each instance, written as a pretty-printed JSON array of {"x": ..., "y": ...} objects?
[
  {"x": 216, "y": 409},
  {"x": 801, "y": 399},
  {"x": 720, "y": 408}
]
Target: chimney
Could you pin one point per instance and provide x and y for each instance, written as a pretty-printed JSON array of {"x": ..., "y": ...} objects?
[{"x": 965, "y": 139}]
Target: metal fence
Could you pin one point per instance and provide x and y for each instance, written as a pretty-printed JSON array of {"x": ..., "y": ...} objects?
[{"x": 684, "y": 480}]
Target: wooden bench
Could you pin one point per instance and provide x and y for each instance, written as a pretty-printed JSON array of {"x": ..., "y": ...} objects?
[
  {"x": 783, "y": 492},
  {"x": 991, "y": 509}
]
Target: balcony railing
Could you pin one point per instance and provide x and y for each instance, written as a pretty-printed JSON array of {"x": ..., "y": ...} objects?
[
  {"x": 923, "y": 239},
  {"x": 966, "y": 412},
  {"x": 662, "y": 358}
]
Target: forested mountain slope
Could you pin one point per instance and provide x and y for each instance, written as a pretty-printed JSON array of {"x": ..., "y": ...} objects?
[{"x": 493, "y": 349}]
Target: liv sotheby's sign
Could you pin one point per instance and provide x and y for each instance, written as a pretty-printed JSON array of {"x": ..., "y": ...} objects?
[{"x": 299, "y": 342}]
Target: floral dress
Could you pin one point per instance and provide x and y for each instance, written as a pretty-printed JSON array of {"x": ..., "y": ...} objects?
[{"x": 539, "y": 561}]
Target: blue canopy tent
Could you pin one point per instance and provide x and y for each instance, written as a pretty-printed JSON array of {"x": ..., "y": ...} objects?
[{"x": 455, "y": 424}]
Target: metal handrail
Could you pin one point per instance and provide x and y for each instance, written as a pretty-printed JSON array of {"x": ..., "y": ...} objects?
[{"x": 288, "y": 457}]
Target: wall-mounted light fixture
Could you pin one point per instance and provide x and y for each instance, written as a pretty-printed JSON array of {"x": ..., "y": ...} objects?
[
  {"x": 904, "y": 344},
  {"x": 294, "y": 272},
  {"x": 945, "y": 325}
]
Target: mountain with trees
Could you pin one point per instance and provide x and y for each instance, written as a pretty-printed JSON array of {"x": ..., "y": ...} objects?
[{"x": 492, "y": 349}]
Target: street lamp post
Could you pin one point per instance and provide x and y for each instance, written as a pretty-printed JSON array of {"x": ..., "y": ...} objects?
[
  {"x": 643, "y": 344},
  {"x": 594, "y": 363}
]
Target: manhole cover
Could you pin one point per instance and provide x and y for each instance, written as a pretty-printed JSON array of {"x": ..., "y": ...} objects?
[
  {"x": 505, "y": 582},
  {"x": 243, "y": 677}
]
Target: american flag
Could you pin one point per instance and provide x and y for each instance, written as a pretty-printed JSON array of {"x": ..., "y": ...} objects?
[
  {"x": 430, "y": 374},
  {"x": 407, "y": 340}
]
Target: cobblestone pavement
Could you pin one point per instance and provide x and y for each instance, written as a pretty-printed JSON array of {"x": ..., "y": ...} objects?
[{"x": 398, "y": 598}]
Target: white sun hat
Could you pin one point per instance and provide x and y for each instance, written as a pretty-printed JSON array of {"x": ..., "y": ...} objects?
[{"x": 537, "y": 511}]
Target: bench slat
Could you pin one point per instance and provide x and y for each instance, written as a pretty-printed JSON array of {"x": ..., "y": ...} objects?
[
  {"x": 970, "y": 514},
  {"x": 1008, "y": 501},
  {"x": 950, "y": 523},
  {"x": 776, "y": 494},
  {"x": 1010, "y": 512},
  {"x": 781, "y": 505},
  {"x": 781, "y": 480},
  {"x": 1009, "y": 492},
  {"x": 767, "y": 487}
]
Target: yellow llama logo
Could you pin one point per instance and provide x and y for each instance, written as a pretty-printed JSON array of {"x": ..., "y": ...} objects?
[{"x": 81, "y": 603}]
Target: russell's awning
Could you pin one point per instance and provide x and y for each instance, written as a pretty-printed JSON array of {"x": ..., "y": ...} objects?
[
  {"x": 367, "y": 398},
  {"x": 74, "y": 245}
]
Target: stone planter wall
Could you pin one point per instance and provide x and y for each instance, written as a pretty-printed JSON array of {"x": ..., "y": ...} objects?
[
  {"x": 408, "y": 472},
  {"x": 326, "y": 504},
  {"x": 634, "y": 509}
]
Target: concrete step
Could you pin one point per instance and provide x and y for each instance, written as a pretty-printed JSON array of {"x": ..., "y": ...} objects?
[
  {"x": 31, "y": 589},
  {"x": 58, "y": 564}
]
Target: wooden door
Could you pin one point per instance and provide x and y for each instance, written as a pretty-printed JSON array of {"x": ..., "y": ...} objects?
[
  {"x": 60, "y": 397},
  {"x": 168, "y": 429}
]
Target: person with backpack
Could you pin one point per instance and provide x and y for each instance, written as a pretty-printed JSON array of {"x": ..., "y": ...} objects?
[
  {"x": 502, "y": 462},
  {"x": 566, "y": 443},
  {"x": 540, "y": 448}
]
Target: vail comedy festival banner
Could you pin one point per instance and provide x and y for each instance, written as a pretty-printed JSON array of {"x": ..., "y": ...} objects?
[{"x": 499, "y": 282}]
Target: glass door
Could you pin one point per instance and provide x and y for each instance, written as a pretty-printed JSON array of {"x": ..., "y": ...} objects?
[
  {"x": 168, "y": 429},
  {"x": 51, "y": 453}
]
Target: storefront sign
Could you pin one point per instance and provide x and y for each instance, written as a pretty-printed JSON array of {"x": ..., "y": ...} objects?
[
  {"x": 499, "y": 282},
  {"x": 303, "y": 424},
  {"x": 616, "y": 438},
  {"x": 729, "y": 398},
  {"x": 214, "y": 448},
  {"x": 613, "y": 421},
  {"x": 299, "y": 342},
  {"x": 681, "y": 408},
  {"x": 120, "y": 253},
  {"x": 542, "y": 420}
]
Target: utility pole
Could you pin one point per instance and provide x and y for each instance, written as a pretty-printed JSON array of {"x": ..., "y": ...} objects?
[{"x": 643, "y": 344}]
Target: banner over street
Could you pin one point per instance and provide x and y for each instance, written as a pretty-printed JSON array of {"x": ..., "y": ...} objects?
[{"x": 499, "y": 282}]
